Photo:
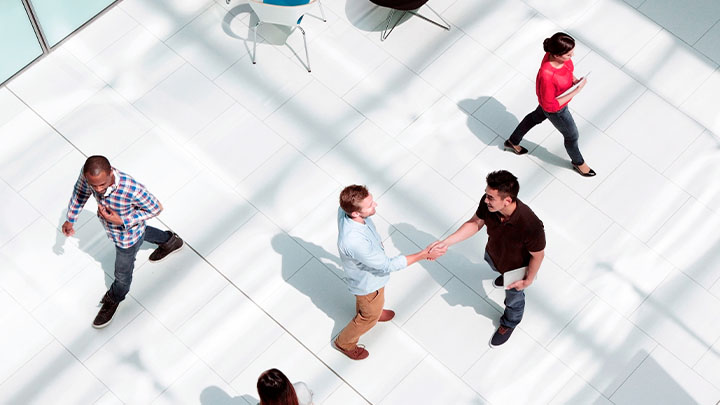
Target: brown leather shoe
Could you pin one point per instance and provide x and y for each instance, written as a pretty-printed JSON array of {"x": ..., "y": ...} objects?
[
  {"x": 387, "y": 314},
  {"x": 358, "y": 353}
]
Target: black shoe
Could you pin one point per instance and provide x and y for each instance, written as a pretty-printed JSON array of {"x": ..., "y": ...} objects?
[
  {"x": 588, "y": 174},
  {"x": 173, "y": 244},
  {"x": 502, "y": 334},
  {"x": 105, "y": 315},
  {"x": 511, "y": 148},
  {"x": 499, "y": 282}
]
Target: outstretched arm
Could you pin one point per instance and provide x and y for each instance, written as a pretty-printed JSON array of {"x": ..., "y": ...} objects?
[{"x": 466, "y": 230}]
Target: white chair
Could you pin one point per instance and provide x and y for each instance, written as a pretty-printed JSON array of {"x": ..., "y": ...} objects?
[{"x": 269, "y": 13}]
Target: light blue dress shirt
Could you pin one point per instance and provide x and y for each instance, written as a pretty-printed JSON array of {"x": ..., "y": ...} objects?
[{"x": 367, "y": 267}]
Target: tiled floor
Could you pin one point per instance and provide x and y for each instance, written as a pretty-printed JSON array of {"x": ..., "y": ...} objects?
[{"x": 248, "y": 161}]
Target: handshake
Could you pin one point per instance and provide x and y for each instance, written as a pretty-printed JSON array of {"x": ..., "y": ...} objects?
[{"x": 434, "y": 250}]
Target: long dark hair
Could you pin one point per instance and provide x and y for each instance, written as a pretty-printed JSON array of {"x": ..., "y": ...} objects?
[
  {"x": 275, "y": 389},
  {"x": 559, "y": 44}
]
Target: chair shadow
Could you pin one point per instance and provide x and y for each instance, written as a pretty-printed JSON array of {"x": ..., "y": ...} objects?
[
  {"x": 214, "y": 395},
  {"x": 339, "y": 312}
]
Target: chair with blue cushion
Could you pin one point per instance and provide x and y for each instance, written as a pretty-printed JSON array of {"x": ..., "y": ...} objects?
[{"x": 283, "y": 12}]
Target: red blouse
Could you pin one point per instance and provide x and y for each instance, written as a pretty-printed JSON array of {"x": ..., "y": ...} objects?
[{"x": 552, "y": 82}]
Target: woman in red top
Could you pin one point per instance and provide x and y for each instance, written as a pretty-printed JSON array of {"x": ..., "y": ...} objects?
[{"x": 554, "y": 78}]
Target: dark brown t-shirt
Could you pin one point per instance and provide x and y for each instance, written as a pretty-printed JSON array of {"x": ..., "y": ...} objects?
[{"x": 510, "y": 242}]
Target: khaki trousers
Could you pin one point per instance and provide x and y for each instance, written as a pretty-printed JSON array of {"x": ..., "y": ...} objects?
[{"x": 368, "y": 309}]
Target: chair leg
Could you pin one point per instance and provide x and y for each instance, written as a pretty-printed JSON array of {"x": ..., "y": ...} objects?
[
  {"x": 307, "y": 54},
  {"x": 322, "y": 12},
  {"x": 255, "y": 42},
  {"x": 446, "y": 26},
  {"x": 388, "y": 29}
]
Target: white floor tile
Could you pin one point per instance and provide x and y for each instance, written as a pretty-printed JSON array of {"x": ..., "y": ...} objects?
[
  {"x": 10, "y": 106},
  {"x": 602, "y": 154},
  {"x": 218, "y": 221},
  {"x": 287, "y": 174},
  {"x": 614, "y": 30},
  {"x": 164, "y": 19},
  {"x": 213, "y": 41},
  {"x": 569, "y": 232},
  {"x": 101, "y": 33},
  {"x": 258, "y": 258},
  {"x": 29, "y": 136},
  {"x": 621, "y": 270},
  {"x": 654, "y": 198},
  {"x": 608, "y": 93},
  {"x": 158, "y": 162},
  {"x": 670, "y": 316},
  {"x": 201, "y": 384},
  {"x": 176, "y": 288},
  {"x": 663, "y": 379},
  {"x": 708, "y": 365},
  {"x": 577, "y": 391},
  {"x": 48, "y": 377},
  {"x": 296, "y": 363},
  {"x": 141, "y": 361},
  {"x": 532, "y": 177},
  {"x": 229, "y": 333},
  {"x": 56, "y": 85},
  {"x": 44, "y": 259},
  {"x": 409, "y": 289},
  {"x": 695, "y": 169},
  {"x": 602, "y": 347},
  {"x": 503, "y": 111},
  {"x": 446, "y": 138},
  {"x": 263, "y": 87},
  {"x": 344, "y": 396},
  {"x": 314, "y": 120},
  {"x": 110, "y": 399},
  {"x": 706, "y": 44},
  {"x": 551, "y": 302},
  {"x": 105, "y": 124},
  {"x": 426, "y": 201},
  {"x": 670, "y": 68},
  {"x": 687, "y": 21},
  {"x": 703, "y": 104},
  {"x": 431, "y": 383},
  {"x": 688, "y": 241},
  {"x": 393, "y": 354},
  {"x": 489, "y": 22},
  {"x": 184, "y": 103},
  {"x": 461, "y": 82},
  {"x": 454, "y": 326},
  {"x": 235, "y": 144},
  {"x": 69, "y": 313},
  {"x": 519, "y": 370},
  {"x": 564, "y": 12},
  {"x": 327, "y": 305},
  {"x": 342, "y": 56},
  {"x": 16, "y": 215},
  {"x": 392, "y": 96},
  {"x": 23, "y": 337},
  {"x": 368, "y": 156},
  {"x": 135, "y": 63}
]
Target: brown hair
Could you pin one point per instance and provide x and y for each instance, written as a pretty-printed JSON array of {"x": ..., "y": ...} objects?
[
  {"x": 559, "y": 44},
  {"x": 351, "y": 196},
  {"x": 275, "y": 389}
]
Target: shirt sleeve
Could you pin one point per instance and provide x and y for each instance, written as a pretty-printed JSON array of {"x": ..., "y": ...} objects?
[
  {"x": 81, "y": 193},
  {"x": 146, "y": 207},
  {"x": 482, "y": 209},
  {"x": 375, "y": 259},
  {"x": 303, "y": 393},
  {"x": 535, "y": 239},
  {"x": 546, "y": 92}
]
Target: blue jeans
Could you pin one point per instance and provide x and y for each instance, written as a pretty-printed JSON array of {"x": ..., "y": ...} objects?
[
  {"x": 125, "y": 262},
  {"x": 514, "y": 302},
  {"x": 563, "y": 122}
]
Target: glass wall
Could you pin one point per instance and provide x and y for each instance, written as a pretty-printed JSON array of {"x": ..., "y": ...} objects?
[
  {"x": 18, "y": 44},
  {"x": 59, "y": 18}
]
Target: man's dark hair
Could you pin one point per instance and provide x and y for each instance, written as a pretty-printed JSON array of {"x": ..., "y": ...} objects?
[
  {"x": 505, "y": 183},
  {"x": 94, "y": 165},
  {"x": 351, "y": 196}
]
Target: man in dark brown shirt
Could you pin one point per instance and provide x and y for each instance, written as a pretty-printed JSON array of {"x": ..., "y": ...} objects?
[{"x": 516, "y": 239}]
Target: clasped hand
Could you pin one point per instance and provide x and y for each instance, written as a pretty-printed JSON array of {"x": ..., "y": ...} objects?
[
  {"x": 109, "y": 215},
  {"x": 435, "y": 250}
]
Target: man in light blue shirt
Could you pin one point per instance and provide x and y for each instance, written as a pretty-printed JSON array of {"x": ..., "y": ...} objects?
[{"x": 367, "y": 267}]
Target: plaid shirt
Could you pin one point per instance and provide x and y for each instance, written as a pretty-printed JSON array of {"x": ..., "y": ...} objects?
[{"x": 126, "y": 197}]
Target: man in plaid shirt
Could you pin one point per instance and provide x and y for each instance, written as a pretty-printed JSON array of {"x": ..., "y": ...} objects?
[{"x": 123, "y": 207}]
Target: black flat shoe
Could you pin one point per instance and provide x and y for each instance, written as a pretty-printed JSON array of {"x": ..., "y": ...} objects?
[
  {"x": 588, "y": 174},
  {"x": 511, "y": 148}
]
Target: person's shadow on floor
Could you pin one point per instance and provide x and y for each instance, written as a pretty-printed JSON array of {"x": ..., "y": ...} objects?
[{"x": 214, "y": 395}]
